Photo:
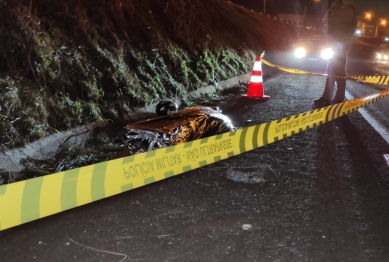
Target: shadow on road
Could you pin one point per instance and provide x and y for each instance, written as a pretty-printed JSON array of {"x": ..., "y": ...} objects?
[{"x": 242, "y": 105}]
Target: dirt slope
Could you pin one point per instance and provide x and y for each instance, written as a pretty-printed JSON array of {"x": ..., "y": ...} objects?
[{"x": 68, "y": 63}]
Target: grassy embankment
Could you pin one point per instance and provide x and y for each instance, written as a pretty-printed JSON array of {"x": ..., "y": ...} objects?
[{"x": 68, "y": 63}]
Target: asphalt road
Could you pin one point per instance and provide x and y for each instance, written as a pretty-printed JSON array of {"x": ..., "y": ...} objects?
[
  {"x": 356, "y": 66},
  {"x": 322, "y": 195},
  {"x": 380, "y": 111}
]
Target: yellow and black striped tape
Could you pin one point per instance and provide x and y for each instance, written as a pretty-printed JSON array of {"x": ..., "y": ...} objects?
[
  {"x": 378, "y": 79},
  {"x": 39, "y": 197}
]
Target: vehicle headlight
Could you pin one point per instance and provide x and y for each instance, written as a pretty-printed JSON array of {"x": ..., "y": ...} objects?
[
  {"x": 327, "y": 53},
  {"x": 385, "y": 57},
  {"x": 379, "y": 56},
  {"x": 300, "y": 52}
]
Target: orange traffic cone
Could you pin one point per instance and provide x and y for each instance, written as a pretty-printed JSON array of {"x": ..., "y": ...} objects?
[{"x": 255, "y": 89}]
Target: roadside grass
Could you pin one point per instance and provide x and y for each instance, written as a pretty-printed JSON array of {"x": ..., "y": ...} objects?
[{"x": 70, "y": 63}]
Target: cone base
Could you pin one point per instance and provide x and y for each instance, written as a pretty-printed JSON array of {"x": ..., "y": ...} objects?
[{"x": 257, "y": 97}]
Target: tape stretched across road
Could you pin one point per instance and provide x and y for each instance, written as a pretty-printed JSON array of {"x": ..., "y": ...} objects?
[
  {"x": 39, "y": 197},
  {"x": 378, "y": 79}
]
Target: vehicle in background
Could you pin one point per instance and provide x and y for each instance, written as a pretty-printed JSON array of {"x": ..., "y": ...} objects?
[
  {"x": 382, "y": 54},
  {"x": 314, "y": 49}
]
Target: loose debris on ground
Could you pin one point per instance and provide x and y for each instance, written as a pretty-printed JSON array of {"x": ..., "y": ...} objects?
[{"x": 115, "y": 141}]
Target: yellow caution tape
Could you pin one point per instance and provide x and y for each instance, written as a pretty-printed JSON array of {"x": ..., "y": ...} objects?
[
  {"x": 40, "y": 197},
  {"x": 289, "y": 70},
  {"x": 378, "y": 79}
]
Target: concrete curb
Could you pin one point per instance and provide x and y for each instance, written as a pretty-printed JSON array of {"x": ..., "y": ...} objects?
[{"x": 47, "y": 147}]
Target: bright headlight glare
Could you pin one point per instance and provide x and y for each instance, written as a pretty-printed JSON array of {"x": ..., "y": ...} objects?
[
  {"x": 379, "y": 56},
  {"x": 385, "y": 57},
  {"x": 300, "y": 52},
  {"x": 327, "y": 53}
]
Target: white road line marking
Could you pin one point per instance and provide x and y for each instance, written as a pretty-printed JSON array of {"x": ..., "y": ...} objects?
[{"x": 371, "y": 120}]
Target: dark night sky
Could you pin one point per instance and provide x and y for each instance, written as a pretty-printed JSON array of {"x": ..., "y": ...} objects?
[
  {"x": 273, "y": 7},
  {"x": 379, "y": 7}
]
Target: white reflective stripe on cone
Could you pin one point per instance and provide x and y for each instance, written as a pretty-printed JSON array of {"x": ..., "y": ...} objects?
[
  {"x": 257, "y": 66},
  {"x": 256, "y": 79}
]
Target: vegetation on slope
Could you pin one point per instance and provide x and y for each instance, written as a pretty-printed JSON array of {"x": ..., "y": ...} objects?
[{"x": 70, "y": 62}]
